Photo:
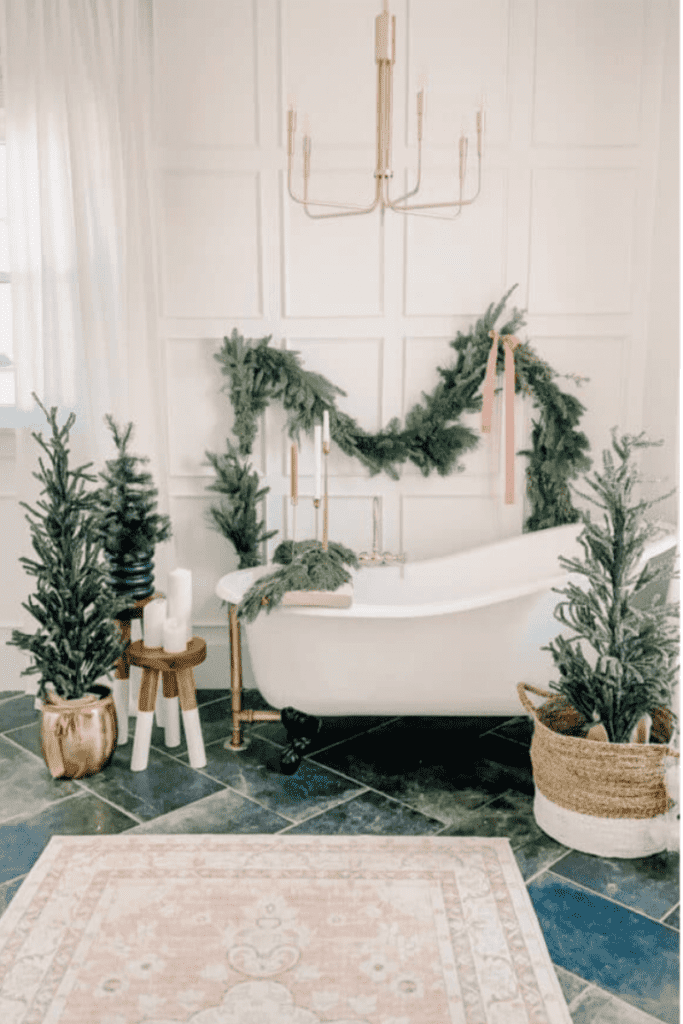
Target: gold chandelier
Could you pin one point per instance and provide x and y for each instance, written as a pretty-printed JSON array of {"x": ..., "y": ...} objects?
[{"x": 385, "y": 51}]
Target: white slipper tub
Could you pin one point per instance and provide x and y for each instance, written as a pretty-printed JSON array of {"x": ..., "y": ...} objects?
[{"x": 447, "y": 636}]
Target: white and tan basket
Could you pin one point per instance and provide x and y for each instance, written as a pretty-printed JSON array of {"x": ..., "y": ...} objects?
[{"x": 607, "y": 799}]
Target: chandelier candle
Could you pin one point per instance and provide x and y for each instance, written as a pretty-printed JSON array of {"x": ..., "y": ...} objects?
[{"x": 180, "y": 599}]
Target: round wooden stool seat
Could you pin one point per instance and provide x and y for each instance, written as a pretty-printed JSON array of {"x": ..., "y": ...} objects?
[{"x": 165, "y": 661}]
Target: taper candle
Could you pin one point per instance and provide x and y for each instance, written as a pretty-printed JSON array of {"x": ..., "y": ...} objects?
[
  {"x": 318, "y": 446},
  {"x": 153, "y": 618},
  {"x": 295, "y": 474},
  {"x": 174, "y": 636},
  {"x": 326, "y": 427},
  {"x": 180, "y": 599}
]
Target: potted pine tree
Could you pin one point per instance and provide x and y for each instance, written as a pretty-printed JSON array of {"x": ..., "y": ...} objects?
[
  {"x": 610, "y": 797},
  {"x": 131, "y": 527},
  {"x": 77, "y": 642}
]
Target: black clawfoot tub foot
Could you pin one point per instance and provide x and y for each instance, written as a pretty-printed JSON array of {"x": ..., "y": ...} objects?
[{"x": 301, "y": 729}]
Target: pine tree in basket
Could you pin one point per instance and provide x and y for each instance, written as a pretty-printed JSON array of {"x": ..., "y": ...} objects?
[
  {"x": 635, "y": 663},
  {"x": 128, "y": 499},
  {"x": 77, "y": 641}
]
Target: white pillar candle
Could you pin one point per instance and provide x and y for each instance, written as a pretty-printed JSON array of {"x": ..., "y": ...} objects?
[
  {"x": 153, "y": 618},
  {"x": 175, "y": 636},
  {"x": 295, "y": 474},
  {"x": 180, "y": 599},
  {"x": 318, "y": 446},
  {"x": 326, "y": 427}
]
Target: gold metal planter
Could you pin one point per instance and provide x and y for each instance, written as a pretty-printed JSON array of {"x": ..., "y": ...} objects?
[{"x": 78, "y": 737}]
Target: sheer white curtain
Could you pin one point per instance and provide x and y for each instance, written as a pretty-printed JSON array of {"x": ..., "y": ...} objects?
[{"x": 78, "y": 96}]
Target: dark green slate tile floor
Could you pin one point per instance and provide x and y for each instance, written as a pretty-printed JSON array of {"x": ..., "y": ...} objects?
[{"x": 611, "y": 926}]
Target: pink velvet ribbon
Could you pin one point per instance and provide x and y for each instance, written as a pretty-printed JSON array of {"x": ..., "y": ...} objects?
[{"x": 487, "y": 408}]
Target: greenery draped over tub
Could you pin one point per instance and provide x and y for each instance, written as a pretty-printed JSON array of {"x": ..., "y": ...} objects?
[{"x": 431, "y": 437}]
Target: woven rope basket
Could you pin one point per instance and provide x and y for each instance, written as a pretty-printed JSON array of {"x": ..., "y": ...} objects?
[{"x": 605, "y": 798}]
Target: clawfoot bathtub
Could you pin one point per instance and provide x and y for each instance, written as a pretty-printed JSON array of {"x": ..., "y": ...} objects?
[{"x": 446, "y": 636}]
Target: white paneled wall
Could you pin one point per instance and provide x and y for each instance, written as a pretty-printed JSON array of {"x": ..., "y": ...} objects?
[
  {"x": 573, "y": 100},
  {"x": 572, "y": 94}
]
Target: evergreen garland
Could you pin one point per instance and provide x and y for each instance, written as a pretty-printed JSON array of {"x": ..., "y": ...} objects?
[
  {"x": 239, "y": 521},
  {"x": 431, "y": 437},
  {"x": 77, "y": 640},
  {"x": 305, "y": 566},
  {"x": 637, "y": 650}
]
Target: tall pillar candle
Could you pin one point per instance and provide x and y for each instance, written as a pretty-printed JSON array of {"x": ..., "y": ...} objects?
[
  {"x": 153, "y": 618},
  {"x": 180, "y": 599}
]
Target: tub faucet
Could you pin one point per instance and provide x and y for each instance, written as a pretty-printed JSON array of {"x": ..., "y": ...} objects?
[{"x": 378, "y": 557}]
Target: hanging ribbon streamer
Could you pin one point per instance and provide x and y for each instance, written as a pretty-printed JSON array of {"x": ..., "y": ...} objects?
[{"x": 487, "y": 408}]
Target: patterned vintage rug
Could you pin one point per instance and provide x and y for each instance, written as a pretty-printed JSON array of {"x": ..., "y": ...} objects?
[{"x": 213, "y": 929}]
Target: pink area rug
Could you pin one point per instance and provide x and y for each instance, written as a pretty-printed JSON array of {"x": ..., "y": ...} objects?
[{"x": 213, "y": 929}]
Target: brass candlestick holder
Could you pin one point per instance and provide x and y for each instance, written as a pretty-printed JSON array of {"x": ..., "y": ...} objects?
[{"x": 316, "y": 506}]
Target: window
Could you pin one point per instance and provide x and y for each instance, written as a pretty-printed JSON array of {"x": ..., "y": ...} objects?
[{"x": 7, "y": 375}]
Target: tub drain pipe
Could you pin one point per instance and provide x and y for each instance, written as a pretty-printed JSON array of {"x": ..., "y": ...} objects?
[{"x": 237, "y": 741}]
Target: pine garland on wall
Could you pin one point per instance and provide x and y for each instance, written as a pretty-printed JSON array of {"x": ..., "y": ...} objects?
[{"x": 431, "y": 438}]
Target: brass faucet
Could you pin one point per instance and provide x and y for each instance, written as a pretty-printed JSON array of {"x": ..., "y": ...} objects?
[{"x": 378, "y": 557}]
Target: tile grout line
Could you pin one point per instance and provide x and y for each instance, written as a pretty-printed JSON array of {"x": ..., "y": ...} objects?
[
  {"x": 318, "y": 814},
  {"x": 618, "y": 903},
  {"x": 572, "y": 1005},
  {"x": 212, "y": 778},
  {"x": 22, "y": 817},
  {"x": 336, "y": 743},
  {"x": 402, "y": 803},
  {"x": 364, "y": 788},
  {"x": 91, "y": 792},
  {"x": 669, "y": 913},
  {"x": 537, "y": 874}
]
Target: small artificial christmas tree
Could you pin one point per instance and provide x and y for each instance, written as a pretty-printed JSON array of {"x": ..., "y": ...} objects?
[
  {"x": 130, "y": 526},
  {"x": 78, "y": 640},
  {"x": 637, "y": 650}
]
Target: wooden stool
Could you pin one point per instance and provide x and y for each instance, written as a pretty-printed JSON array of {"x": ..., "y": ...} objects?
[
  {"x": 120, "y": 684},
  {"x": 178, "y": 680}
]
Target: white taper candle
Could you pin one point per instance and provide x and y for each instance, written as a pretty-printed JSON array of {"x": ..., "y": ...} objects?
[
  {"x": 326, "y": 427},
  {"x": 318, "y": 446},
  {"x": 295, "y": 474}
]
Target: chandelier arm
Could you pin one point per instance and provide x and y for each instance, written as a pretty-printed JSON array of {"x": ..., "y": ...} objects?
[
  {"x": 435, "y": 216},
  {"x": 350, "y": 208},
  {"x": 343, "y": 213},
  {"x": 400, "y": 199},
  {"x": 436, "y": 206}
]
